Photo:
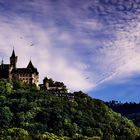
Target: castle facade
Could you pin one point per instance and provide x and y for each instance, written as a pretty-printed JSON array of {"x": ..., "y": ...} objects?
[{"x": 29, "y": 75}]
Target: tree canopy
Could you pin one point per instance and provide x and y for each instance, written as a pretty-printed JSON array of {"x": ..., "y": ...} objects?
[{"x": 28, "y": 113}]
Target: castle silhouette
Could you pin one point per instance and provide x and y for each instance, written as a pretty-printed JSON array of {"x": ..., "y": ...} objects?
[{"x": 29, "y": 75}]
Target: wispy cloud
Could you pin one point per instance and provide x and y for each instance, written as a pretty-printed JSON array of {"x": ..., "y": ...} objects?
[
  {"x": 82, "y": 43},
  {"x": 52, "y": 60}
]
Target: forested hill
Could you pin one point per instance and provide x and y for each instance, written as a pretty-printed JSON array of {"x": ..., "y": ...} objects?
[
  {"x": 30, "y": 114},
  {"x": 130, "y": 110}
]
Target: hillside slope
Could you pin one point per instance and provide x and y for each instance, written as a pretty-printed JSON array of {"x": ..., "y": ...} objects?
[
  {"x": 26, "y": 113},
  {"x": 130, "y": 110}
]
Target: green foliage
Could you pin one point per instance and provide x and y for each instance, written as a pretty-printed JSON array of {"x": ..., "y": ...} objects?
[
  {"x": 6, "y": 87},
  {"x": 14, "y": 134},
  {"x": 6, "y": 116},
  {"x": 26, "y": 112},
  {"x": 23, "y": 87},
  {"x": 51, "y": 136}
]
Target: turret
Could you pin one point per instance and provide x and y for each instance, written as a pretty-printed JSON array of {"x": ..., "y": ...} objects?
[
  {"x": 30, "y": 65},
  {"x": 34, "y": 72},
  {"x": 13, "y": 59}
]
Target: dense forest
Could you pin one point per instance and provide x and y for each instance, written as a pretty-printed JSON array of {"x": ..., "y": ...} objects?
[
  {"x": 130, "y": 110},
  {"x": 27, "y": 113}
]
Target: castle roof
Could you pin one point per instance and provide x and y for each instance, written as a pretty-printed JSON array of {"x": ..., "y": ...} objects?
[
  {"x": 4, "y": 70},
  {"x": 30, "y": 65},
  {"x": 5, "y": 66},
  {"x": 13, "y": 54},
  {"x": 25, "y": 71}
]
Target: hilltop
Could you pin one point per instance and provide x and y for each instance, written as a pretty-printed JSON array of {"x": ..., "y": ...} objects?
[{"x": 28, "y": 113}]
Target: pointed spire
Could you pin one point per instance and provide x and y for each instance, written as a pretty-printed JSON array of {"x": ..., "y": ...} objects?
[
  {"x": 30, "y": 65},
  {"x": 2, "y": 61},
  {"x": 13, "y": 54}
]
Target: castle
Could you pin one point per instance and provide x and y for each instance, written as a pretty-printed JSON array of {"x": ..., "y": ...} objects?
[{"x": 29, "y": 75}]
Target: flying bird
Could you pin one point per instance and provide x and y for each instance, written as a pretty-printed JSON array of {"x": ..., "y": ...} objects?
[{"x": 32, "y": 44}]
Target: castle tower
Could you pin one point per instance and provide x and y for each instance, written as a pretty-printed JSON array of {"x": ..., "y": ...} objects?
[
  {"x": 13, "y": 60},
  {"x": 30, "y": 65},
  {"x": 34, "y": 74}
]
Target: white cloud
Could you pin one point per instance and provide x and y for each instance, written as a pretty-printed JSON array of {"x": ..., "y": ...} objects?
[
  {"x": 93, "y": 24},
  {"x": 80, "y": 43},
  {"x": 43, "y": 54},
  {"x": 123, "y": 60}
]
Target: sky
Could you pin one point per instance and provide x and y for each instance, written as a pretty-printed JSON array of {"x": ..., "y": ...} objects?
[{"x": 90, "y": 45}]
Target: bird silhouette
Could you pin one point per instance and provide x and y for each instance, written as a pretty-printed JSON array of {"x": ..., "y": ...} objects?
[{"x": 32, "y": 44}]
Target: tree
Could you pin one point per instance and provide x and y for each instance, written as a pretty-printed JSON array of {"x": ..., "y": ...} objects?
[
  {"x": 51, "y": 136},
  {"x": 6, "y": 87},
  {"x": 15, "y": 134},
  {"x": 6, "y": 116}
]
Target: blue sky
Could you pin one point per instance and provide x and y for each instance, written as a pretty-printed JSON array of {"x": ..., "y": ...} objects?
[{"x": 90, "y": 45}]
